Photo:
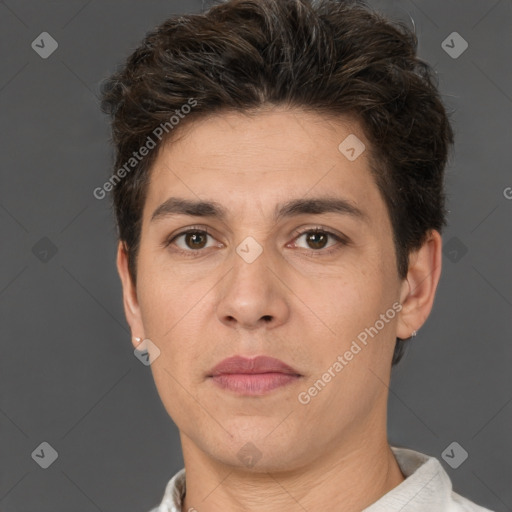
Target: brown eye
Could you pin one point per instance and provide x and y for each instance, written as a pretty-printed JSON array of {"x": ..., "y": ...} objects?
[
  {"x": 190, "y": 241},
  {"x": 195, "y": 239},
  {"x": 316, "y": 240}
]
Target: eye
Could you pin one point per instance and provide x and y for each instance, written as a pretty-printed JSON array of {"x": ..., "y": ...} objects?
[
  {"x": 192, "y": 241},
  {"x": 318, "y": 238},
  {"x": 189, "y": 241}
]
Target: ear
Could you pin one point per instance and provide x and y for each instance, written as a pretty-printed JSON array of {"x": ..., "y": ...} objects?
[
  {"x": 419, "y": 287},
  {"x": 130, "y": 301}
]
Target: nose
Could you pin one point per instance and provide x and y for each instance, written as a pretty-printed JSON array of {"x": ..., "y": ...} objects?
[{"x": 253, "y": 295}]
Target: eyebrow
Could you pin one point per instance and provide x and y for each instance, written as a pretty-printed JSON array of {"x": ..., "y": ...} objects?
[{"x": 180, "y": 206}]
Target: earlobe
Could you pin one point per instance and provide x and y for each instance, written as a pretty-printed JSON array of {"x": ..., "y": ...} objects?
[
  {"x": 130, "y": 300},
  {"x": 419, "y": 287}
]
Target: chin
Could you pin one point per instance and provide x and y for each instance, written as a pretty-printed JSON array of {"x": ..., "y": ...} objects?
[{"x": 258, "y": 453}]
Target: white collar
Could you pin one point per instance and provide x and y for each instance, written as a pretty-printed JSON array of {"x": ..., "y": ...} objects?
[{"x": 426, "y": 488}]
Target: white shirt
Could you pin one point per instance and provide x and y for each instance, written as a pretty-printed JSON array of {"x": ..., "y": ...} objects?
[{"x": 426, "y": 488}]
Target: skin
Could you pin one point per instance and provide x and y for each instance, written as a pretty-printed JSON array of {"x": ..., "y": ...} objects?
[{"x": 295, "y": 302}]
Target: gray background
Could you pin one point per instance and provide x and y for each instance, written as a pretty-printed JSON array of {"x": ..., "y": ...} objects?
[{"x": 68, "y": 373}]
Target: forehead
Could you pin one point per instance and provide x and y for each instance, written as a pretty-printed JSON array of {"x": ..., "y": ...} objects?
[{"x": 257, "y": 160}]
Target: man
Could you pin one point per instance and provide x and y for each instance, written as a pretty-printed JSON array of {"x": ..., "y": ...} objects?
[{"x": 279, "y": 199}]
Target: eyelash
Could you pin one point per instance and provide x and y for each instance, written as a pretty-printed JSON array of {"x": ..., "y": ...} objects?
[{"x": 318, "y": 229}]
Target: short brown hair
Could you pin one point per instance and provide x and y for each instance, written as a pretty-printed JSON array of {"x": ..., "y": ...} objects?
[{"x": 330, "y": 57}]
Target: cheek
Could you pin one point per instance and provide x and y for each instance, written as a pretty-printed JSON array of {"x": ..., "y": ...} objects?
[
  {"x": 158, "y": 308},
  {"x": 351, "y": 297},
  {"x": 162, "y": 294},
  {"x": 352, "y": 306},
  {"x": 174, "y": 311}
]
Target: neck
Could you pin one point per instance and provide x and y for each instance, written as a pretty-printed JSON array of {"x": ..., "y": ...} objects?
[{"x": 353, "y": 474}]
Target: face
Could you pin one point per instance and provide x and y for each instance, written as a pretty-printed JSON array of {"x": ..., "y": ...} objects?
[{"x": 260, "y": 281}]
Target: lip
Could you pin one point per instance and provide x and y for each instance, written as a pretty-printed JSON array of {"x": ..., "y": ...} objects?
[
  {"x": 251, "y": 366},
  {"x": 252, "y": 376}
]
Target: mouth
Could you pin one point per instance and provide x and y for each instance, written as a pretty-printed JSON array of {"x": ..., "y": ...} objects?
[{"x": 252, "y": 377}]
